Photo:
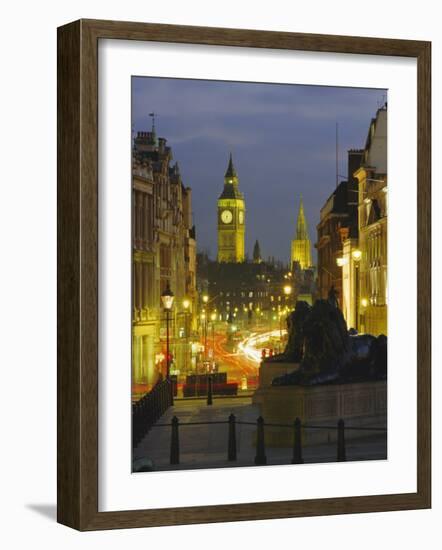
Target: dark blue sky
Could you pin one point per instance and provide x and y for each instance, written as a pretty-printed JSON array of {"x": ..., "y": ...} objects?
[{"x": 283, "y": 142}]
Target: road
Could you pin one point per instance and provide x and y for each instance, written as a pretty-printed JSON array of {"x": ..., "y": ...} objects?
[{"x": 242, "y": 364}]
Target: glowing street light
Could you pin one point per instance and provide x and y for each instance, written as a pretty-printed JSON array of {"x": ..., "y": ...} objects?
[
  {"x": 167, "y": 298},
  {"x": 364, "y": 302},
  {"x": 287, "y": 290},
  {"x": 205, "y": 298},
  {"x": 186, "y": 306},
  {"x": 356, "y": 255}
]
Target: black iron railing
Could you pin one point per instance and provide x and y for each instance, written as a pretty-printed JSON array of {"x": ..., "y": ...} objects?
[
  {"x": 260, "y": 451},
  {"x": 150, "y": 408}
]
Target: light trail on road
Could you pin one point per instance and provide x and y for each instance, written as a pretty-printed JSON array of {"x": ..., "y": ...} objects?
[
  {"x": 236, "y": 364},
  {"x": 244, "y": 362},
  {"x": 252, "y": 346}
]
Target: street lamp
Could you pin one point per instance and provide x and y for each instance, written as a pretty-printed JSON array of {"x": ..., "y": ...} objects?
[
  {"x": 280, "y": 315},
  {"x": 213, "y": 319},
  {"x": 287, "y": 292},
  {"x": 167, "y": 298},
  {"x": 204, "y": 333},
  {"x": 357, "y": 255},
  {"x": 186, "y": 306}
]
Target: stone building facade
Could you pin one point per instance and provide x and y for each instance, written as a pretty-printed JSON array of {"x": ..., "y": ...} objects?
[
  {"x": 373, "y": 228},
  {"x": 338, "y": 223},
  {"x": 357, "y": 256},
  {"x": 164, "y": 253}
]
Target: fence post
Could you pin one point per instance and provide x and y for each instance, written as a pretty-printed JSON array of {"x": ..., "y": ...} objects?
[
  {"x": 231, "y": 446},
  {"x": 341, "y": 441},
  {"x": 260, "y": 458},
  {"x": 135, "y": 424},
  {"x": 157, "y": 404},
  {"x": 209, "y": 390},
  {"x": 171, "y": 391},
  {"x": 175, "y": 442},
  {"x": 297, "y": 443}
]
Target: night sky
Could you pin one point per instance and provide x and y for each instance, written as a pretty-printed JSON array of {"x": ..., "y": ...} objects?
[{"x": 282, "y": 138}]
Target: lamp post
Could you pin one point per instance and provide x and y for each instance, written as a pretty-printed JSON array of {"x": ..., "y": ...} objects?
[
  {"x": 186, "y": 306},
  {"x": 167, "y": 298},
  {"x": 281, "y": 315},
  {"x": 205, "y": 299},
  {"x": 287, "y": 290},
  {"x": 213, "y": 319},
  {"x": 205, "y": 338},
  {"x": 356, "y": 255}
]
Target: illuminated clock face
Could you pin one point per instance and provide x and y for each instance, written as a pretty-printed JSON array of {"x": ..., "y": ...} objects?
[
  {"x": 241, "y": 217},
  {"x": 226, "y": 216}
]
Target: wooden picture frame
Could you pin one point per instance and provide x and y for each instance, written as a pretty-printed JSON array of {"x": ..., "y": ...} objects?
[{"x": 78, "y": 274}]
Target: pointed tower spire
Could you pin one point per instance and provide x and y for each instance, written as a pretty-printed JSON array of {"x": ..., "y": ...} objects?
[
  {"x": 230, "y": 172},
  {"x": 301, "y": 246},
  {"x": 301, "y": 225},
  {"x": 257, "y": 253}
]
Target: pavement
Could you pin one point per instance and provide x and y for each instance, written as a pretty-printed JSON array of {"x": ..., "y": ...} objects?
[{"x": 205, "y": 446}]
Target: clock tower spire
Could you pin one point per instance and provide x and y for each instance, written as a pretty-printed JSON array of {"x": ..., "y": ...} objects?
[{"x": 231, "y": 218}]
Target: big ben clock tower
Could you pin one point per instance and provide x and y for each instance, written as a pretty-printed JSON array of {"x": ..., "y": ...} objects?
[{"x": 231, "y": 219}]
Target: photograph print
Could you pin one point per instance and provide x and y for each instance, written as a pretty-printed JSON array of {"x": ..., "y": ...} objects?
[{"x": 259, "y": 274}]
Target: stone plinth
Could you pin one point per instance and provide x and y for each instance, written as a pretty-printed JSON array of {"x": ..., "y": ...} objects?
[
  {"x": 362, "y": 404},
  {"x": 269, "y": 370}
]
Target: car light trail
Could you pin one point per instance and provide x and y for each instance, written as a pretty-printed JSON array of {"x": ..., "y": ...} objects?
[{"x": 251, "y": 347}]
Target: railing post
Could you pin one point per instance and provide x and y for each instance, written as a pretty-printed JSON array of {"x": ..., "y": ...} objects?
[
  {"x": 209, "y": 390},
  {"x": 155, "y": 405},
  {"x": 171, "y": 391},
  {"x": 260, "y": 458},
  {"x": 341, "y": 441},
  {"x": 135, "y": 424},
  {"x": 297, "y": 443},
  {"x": 175, "y": 442},
  {"x": 231, "y": 446}
]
